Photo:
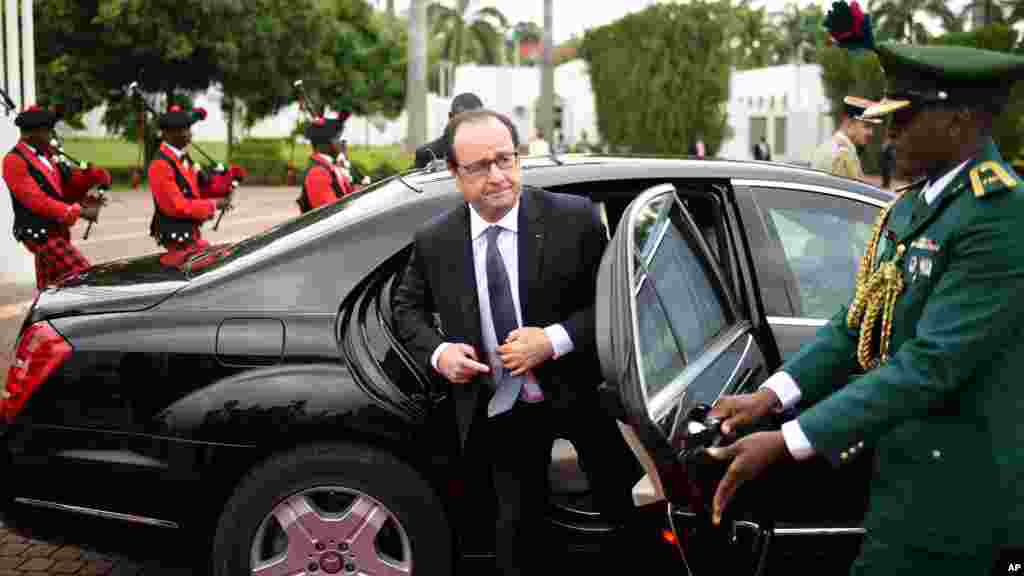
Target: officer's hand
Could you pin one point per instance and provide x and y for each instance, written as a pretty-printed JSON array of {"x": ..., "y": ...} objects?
[
  {"x": 744, "y": 409},
  {"x": 223, "y": 203},
  {"x": 750, "y": 456},
  {"x": 459, "y": 363}
]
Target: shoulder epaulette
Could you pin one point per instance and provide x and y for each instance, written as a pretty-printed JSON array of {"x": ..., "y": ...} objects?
[
  {"x": 916, "y": 184},
  {"x": 990, "y": 177}
]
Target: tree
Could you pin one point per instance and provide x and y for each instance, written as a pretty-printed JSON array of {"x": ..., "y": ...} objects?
[
  {"x": 754, "y": 38},
  {"x": 464, "y": 37},
  {"x": 661, "y": 76},
  {"x": 258, "y": 80},
  {"x": 800, "y": 34},
  {"x": 900, "y": 20},
  {"x": 1009, "y": 127}
]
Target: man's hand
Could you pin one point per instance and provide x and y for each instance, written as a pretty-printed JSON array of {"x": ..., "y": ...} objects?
[
  {"x": 524, "y": 349},
  {"x": 459, "y": 363},
  {"x": 744, "y": 409},
  {"x": 750, "y": 455},
  {"x": 90, "y": 211},
  {"x": 223, "y": 203}
]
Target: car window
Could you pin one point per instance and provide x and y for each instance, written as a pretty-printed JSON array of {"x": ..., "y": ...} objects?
[
  {"x": 822, "y": 238},
  {"x": 679, "y": 312}
]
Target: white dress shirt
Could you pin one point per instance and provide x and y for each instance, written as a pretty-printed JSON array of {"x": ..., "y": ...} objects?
[
  {"x": 787, "y": 389},
  {"x": 177, "y": 153},
  {"x": 41, "y": 157},
  {"x": 508, "y": 246}
]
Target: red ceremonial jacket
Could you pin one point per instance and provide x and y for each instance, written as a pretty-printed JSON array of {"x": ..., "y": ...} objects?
[
  {"x": 320, "y": 182},
  {"x": 172, "y": 201},
  {"x": 63, "y": 212}
]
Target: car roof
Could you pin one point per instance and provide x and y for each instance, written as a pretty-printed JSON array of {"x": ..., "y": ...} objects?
[{"x": 564, "y": 169}]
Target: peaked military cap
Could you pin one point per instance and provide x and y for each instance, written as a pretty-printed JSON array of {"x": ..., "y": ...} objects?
[
  {"x": 323, "y": 129},
  {"x": 855, "y": 107},
  {"x": 916, "y": 74},
  {"x": 35, "y": 117},
  {"x": 178, "y": 117}
]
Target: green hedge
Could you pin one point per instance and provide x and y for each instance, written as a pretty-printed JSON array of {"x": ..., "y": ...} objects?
[{"x": 264, "y": 158}]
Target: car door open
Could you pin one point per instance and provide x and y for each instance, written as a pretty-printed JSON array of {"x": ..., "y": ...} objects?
[{"x": 670, "y": 343}]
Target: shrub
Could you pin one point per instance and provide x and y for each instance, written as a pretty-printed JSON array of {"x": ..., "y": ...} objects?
[{"x": 264, "y": 159}]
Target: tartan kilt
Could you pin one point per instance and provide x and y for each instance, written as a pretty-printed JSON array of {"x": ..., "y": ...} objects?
[{"x": 55, "y": 259}]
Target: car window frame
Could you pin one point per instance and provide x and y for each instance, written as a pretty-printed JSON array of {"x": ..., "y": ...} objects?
[
  {"x": 733, "y": 320},
  {"x": 746, "y": 189}
]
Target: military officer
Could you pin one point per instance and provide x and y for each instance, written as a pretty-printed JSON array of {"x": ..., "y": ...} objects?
[
  {"x": 325, "y": 181},
  {"x": 839, "y": 155},
  {"x": 184, "y": 197},
  {"x": 48, "y": 197},
  {"x": 924, "y": 364}
]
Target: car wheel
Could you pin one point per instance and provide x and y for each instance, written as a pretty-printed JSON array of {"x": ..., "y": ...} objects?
[{"x": 333, "y": 509}]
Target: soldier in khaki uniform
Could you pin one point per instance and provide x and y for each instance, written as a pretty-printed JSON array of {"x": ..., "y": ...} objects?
[
  {"x": 839, "y": 154},
  {"x": 924, "y": 365}
]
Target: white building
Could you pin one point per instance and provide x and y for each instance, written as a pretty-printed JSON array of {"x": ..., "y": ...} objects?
[
  {"x": 19, "y": 81},
  {"x": 786, "y": 104}
]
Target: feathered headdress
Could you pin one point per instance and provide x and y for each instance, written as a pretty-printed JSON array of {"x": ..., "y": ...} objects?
[{"x": 849, "y": 27}]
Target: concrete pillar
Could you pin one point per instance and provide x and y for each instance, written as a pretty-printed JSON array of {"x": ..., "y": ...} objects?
[
  {"x": 28, "y": 53},
  {"x": 18, "y": 265}
]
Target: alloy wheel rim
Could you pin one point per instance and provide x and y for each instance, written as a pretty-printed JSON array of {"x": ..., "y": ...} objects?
[{"x": 331, "y": 530}]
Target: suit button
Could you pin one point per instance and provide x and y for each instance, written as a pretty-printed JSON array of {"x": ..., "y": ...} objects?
[
  {"x": 860, "y": 444},
  {"x": 936, "y": 454},
  {"x": 843, "y": 455}
]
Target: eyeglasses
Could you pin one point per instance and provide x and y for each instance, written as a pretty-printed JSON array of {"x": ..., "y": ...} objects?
[{"x": 503, "y": 160}]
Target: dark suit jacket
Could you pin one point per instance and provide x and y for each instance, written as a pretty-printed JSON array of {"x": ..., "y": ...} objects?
[
  {"x": 561, "y": 240},
  {"x": 438, "y": 147}
]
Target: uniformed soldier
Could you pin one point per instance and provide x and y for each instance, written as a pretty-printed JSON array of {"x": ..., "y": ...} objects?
[
  {"x": 924, "y": 365},
  {"x": 325, "y": 181},
  {"x": 184, "y": 195},
  {"x": 48, "y": 197},
  {"x": 839, "y": 155}
]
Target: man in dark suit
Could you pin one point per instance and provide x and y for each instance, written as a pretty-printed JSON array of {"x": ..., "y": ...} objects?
[
  {"x": 438, "y": 149},
  {"x": 512, "y": 274}
]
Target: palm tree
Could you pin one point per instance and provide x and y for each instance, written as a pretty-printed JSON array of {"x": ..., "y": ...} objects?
[
  {"x": 800, "y": 33},
  {"x": 898, "y": 19},
  {"x": 753, "y": 39},
  {"x": 463, "y": 37}
]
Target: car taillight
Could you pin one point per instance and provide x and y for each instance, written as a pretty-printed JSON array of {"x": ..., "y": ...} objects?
[{"x": 39, "y": 352}]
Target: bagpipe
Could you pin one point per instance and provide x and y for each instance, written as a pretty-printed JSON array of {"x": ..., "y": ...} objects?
[
  {"x": 314, "y": 112},
  {"x": 218, "y": 167},
  {"x": 69, "y": 162}
]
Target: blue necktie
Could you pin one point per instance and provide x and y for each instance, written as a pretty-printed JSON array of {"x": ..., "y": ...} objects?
[{"x": 503, "y": 315}]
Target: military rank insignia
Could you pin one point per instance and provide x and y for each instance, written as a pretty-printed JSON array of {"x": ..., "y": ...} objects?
[
  {"x": 990, "y": 176},
  {"x": 925, "y": 243}
]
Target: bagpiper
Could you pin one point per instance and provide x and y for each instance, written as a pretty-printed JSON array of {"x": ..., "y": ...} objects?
[
  {"x": 839, "y": 154},
  {"x": 48, "y": 197},
  {"x": 184, "y": 195},
  {"x": 325, "y": 181},
  {"x": 921, "y": 371}
]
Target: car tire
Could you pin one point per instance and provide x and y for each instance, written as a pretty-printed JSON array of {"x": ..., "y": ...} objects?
[{"x": 287, "y": 489}]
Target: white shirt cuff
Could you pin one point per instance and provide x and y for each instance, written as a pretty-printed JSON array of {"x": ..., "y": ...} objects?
[
  {"x": 796, "y": 441},
  {"x": 560, "y": 341},
  {"x": 785, "y": 388},
  {"x": 437, "y": 354}
]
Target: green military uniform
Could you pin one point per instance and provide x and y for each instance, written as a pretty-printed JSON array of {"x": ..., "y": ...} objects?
[{"x": 935, "y": 385}]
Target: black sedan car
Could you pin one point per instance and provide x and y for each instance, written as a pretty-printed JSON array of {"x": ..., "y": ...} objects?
[{"x": 258, "y": 394}]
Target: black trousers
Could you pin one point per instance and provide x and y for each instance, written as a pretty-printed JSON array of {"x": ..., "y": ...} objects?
[{"x": 509, "y": 456}]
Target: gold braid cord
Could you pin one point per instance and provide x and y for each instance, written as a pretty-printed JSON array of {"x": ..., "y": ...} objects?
[{"x": 875, "y": 297}]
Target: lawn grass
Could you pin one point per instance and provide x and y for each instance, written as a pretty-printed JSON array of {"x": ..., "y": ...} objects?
[{"x": 120, "y": 153}]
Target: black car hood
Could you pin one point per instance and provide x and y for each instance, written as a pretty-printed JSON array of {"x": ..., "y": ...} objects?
[{"x": 125, "y": 285}]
